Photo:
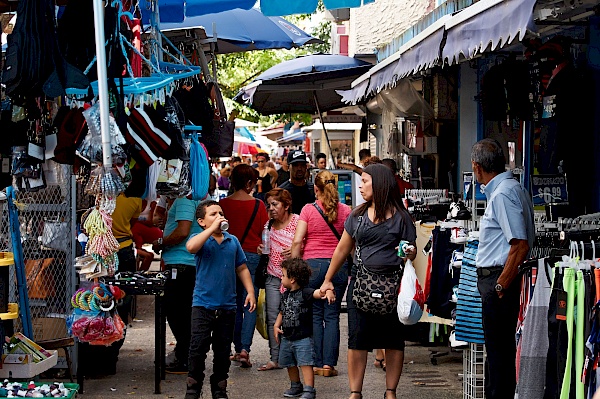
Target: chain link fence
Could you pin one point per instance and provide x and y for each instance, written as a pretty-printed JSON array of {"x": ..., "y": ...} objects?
[{"x": 47, "y": 225}]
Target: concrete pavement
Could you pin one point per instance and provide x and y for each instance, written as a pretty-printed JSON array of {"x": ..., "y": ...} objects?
[{"x": 135, "y": 371}]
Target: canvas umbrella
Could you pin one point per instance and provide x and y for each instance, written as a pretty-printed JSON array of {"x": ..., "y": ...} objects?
[
  {"x": 305, "y": 84},
  {"x": 242, "y": 30}
]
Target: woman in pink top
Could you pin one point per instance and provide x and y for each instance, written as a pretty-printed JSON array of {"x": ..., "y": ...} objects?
[
  {"x": 279, "y": 205},
  {"x": 315, "y": 241}
]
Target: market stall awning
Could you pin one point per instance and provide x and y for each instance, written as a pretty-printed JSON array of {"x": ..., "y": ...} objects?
[
  {"x": 241, "y": 30},
  {"x": 177, "y": 10},
  {"x": 495, "y": 22},
  {"x": 282, "y": 7},
  {"x": 421, "y": 52},
  {"x": 298, "y": 136}
]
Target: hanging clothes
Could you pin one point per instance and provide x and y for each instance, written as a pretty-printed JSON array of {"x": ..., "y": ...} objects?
[
  {"x": 469, "y": 327},
  {"x": 534, "y": 337},
  {"x": 442, "y": 281}
]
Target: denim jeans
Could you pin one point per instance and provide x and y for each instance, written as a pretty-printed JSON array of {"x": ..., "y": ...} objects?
[
  {"x": 245, "y": 321},
  {"x": 326, "y": 317},
  {"x": 210, "y": 327},
  {"x": 272, "y": 300}
]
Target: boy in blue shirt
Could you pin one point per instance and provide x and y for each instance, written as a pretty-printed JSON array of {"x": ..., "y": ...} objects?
[{"x": 219, "y": 258}]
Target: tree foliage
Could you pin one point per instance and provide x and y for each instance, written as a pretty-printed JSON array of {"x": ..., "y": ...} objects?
[{"x": 239, "y": 69}]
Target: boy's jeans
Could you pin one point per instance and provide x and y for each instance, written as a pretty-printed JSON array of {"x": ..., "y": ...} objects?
[{"x": 210, "y": 327}]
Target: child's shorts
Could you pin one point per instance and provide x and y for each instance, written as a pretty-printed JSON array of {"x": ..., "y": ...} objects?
[{"x": 296, "y": 353}]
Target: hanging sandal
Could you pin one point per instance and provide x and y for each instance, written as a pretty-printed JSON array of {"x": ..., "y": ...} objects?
[
  {"x": 381, "y": 365},
  {"x": 359, "y": 393},
  {"x": 386, "y": 391}
]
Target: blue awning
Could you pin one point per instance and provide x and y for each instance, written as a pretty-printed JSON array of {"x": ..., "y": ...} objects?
[
  {"x": 470, "y": 31},
  {"x": 421, "y": 52},
  {"x": 177, "y": 10},
  {"x": 282, "y": 7},
  {"x": 495, "y": 22}
]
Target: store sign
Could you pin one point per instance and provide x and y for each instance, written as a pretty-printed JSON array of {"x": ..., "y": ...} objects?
[{"x": 549, "y": 189}]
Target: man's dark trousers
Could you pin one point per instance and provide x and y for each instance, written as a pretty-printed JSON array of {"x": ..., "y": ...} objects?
[
  {"x": 210, "y": 327},
  {"x": 178, "y": 304},
  {"x": 499, "y": 328}
]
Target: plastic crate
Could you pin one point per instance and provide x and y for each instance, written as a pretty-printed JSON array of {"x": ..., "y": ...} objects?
[
  {"x": 69, "y": 385},
  {"x": 474, "y": 372}
]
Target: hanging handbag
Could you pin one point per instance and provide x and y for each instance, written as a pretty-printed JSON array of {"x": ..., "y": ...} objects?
[
  {"x": 374, "y": 292},
  {"x": 335, "y": 233},
  {"x": 219, "y": 142},
  {"x": 260, "y": 276}
]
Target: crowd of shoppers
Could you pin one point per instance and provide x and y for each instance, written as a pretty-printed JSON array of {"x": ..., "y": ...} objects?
[{"x": 310, "y": 235}]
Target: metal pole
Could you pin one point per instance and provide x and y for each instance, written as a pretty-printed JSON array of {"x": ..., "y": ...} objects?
[
  {"x": 155, "y": 32},
  {"x": 324, "y": 129},
  {"x": 15, "y": 236},
  {"x": 102, "y": 83}
]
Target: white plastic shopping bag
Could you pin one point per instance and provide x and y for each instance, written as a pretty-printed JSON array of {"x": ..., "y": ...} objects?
[{"x": 411, "y": 298}]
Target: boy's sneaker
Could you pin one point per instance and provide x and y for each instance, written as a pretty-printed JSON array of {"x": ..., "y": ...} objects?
[
  {"x": 194, "y": 390},
  {"x": 295, "y": 391},
  {"x": 309, "y": 393},
  {"x": 219, "y": 391},
  {"x": 193, "y": 393}
]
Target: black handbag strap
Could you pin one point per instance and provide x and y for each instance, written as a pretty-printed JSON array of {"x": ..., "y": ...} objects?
[
  {"x": 254, "y": 212},
  {"x": 331, "y": 226}
]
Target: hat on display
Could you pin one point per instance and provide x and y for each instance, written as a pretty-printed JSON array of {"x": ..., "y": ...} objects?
[{"x": 296, "y": 156}]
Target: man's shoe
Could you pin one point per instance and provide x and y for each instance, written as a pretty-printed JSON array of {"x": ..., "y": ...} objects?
[
  {"x": 296, "y": 389},
  {"x": 176, "y": 368}
]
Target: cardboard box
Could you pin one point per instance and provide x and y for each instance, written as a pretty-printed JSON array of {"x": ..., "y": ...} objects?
[
  {"x": 45, "y": 328},
  {"x": 28, "y": 370}
]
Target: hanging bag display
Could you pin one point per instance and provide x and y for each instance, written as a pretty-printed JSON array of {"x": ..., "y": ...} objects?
[
  {"x": 200, "y": 169},
  {"x": 374, "y": 292},
  {"x": 219, "y": 142}
]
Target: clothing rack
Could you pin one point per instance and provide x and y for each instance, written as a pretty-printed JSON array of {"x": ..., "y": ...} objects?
[{"x": 427, "y": 196}]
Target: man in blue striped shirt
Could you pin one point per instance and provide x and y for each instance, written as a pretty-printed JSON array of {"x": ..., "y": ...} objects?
[{"x": 506, "y": 234}]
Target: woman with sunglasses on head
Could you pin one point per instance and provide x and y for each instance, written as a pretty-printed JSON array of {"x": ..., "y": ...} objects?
[
  {"x": 267, "y": 176},
  {"x": 375, "y": 228},
  {"x": 315, "y": 241},
  {"x": 283, "y": 227}
]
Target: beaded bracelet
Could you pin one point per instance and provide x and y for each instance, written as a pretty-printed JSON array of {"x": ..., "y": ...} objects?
[
  {"x": 105, "y": 296},
  {"x": 108, "y": 308}
]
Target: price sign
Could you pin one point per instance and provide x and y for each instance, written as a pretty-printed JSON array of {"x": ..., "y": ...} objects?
[{"x": 549, "y": 190}]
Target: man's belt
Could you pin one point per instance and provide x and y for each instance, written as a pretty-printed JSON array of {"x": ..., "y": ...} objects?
[{"x": 486, "y": 271}]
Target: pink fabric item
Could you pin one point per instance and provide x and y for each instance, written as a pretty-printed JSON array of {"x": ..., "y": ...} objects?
[
  {"x": 280, "y": 240},
  {"x": 319, "y": 241}
]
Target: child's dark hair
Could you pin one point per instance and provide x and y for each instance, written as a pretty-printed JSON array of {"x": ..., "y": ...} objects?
[
  {"x": 297, "y": 269},
  {"x": 201, "y": 210}
]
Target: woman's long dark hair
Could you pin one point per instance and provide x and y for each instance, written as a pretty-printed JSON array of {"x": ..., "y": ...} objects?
[{"x": 386, "y": 195}]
